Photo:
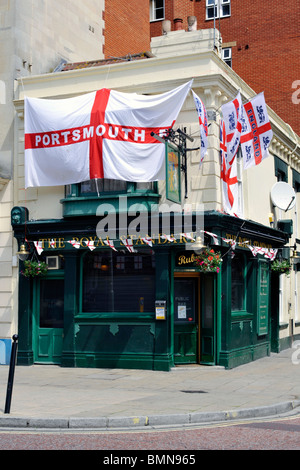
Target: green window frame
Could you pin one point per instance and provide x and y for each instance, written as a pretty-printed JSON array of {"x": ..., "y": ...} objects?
[
  {"x": 281, "y": 169},
  {"x": 263, "y": 300},
  {"x": 296, "y": 181},
  {"x": 117, "y": 283},
  {"x": 105, "y": 186},
  {"x": 238, "y": 283}
]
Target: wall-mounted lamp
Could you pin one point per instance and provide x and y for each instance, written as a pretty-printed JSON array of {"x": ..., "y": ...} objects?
[
  {"x": 198, "y": 244},
  {"x": 295, "y": 258},
  {"x": 23, "y": 253}
]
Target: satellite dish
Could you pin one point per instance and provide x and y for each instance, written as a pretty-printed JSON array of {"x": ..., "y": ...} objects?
[{"x": 283, "y": 196}]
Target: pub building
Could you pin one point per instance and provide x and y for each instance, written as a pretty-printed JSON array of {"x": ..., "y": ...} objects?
[
  {"x": 123, "y": 288},
  {"x": 153, "y": 308}
]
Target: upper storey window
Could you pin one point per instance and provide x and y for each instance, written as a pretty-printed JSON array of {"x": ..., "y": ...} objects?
[
  {"x": 217, "y": 9},
  {"x": 157, "y": 10},
  {"x": 106, "y": 186}
]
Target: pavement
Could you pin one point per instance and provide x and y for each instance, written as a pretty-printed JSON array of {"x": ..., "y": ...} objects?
[{"x": 49, "y": 396}]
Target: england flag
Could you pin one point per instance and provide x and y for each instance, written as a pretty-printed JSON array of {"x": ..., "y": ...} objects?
[
  {"x": 256, "y": 131},
  {"x": 202, "y": 115},
  {"x": 104, "y": 134},
  {"x": 229, "y": 179},
  {"x": 232, "y": 121}
]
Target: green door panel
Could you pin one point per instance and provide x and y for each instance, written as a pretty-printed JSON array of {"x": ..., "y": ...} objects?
[
  {"x": 207, "y": 326},
  {"x": 48, "y": 329},
  {"x": 185, "y": 320}
]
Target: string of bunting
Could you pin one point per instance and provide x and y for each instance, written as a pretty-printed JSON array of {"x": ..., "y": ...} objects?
[{"x": 269, "y": 253}]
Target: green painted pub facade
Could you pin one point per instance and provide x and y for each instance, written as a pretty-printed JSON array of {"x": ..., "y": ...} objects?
[{"x": 147, "y": 309}]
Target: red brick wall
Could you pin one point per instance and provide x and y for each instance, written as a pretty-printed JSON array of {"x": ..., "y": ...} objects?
[
  {"x": 267, "y": 46},
  {"x": 127, "y": 28},
  {"x": 174, "y": 9}
]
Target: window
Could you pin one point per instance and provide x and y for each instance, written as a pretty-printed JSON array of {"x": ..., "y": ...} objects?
[
  {"x": 114, "y": 282},
  {"x": 51, "y": 303},
  {"x": 101, "y": 186},
  {"x": 296, "y": 181},
  {"x": 226, "y": 55},
  {"x": 237, "y": 283},
  {"x": 217, "y": 9},
  {"x": 157, "y": 10},
  {"x": 281, "y": 170}
]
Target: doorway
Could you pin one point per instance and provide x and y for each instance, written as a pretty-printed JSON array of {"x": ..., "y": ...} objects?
[
  {"x": 48, "y": 321},
  {"x": 194, "y": 318},
  {"x": 186, "y": 319}
]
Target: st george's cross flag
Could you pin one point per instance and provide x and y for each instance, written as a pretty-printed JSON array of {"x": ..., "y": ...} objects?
[
  {"x": 229, "y": 180},
  {"x": 202, "y": 115},
  {"x": 104, "y": 134},
  {"x": 256, "y": 131},
  {"x": 231, "y": 112}
]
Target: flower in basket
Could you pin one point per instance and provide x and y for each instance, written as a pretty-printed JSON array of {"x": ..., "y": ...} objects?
[
  {"x": 209, "y": 261},
  {"x": 34, "y": 268},
  {"x": 281, "y": 266}
]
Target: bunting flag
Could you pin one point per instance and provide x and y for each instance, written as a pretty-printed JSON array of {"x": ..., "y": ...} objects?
[
  {"x": 232, "y": 123},
  {"x": 74, "y": 243},
  {"x": 129, "y": 245},
  {"x": 231, "y": 242},
  {"x": 104, "y": 134},
  {"x": 90, "y": 244},
  {"x": 253, "y": 249},
  {"x": 189, "y": 236},
  {"x": 256, "y": 131},
  {"x": 39, "y": 247},
  {"x": 170, "y": 238},
  {"x": 110, "y": 243},
  {"x": 147, "y": 240},
  {"x": 213, "y": 235},
  {"x": 269, "y": 253},
  {"x": 203, "y": 126}
]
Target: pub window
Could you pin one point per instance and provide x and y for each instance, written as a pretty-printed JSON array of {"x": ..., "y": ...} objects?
[
  {"x": 237, "y": 283},
  {"x": 105, "y": 186},
  {"x": 114, "y": 282}
]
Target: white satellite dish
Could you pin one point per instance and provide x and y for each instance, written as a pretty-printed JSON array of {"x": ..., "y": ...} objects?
[{"x": 283, "y": 196}]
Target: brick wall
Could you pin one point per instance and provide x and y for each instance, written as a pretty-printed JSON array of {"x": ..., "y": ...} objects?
[
  {"x": 127, "y": 27},
  {"x": 265, "y": 45}
]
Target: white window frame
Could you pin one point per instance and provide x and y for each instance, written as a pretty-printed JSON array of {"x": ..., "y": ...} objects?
[
  {"x": 227, "y": 55},
  {"x": 219, "y": 8},
  {"x": 154, "y": 9}
]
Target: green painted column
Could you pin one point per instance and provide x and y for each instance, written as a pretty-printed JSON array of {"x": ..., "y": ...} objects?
[
  {"x": 225, "y": 326},
  {"x": 163, "y": 328},
  {"x": 71, "y": 299},
  {"x": 25, "y": 348}
]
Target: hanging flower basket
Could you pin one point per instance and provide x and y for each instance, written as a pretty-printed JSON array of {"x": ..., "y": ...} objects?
[
  {"x": 34, "y": 268},
  {"x": 209, "y": 261},
  {"x": 282, "y": 266}
]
